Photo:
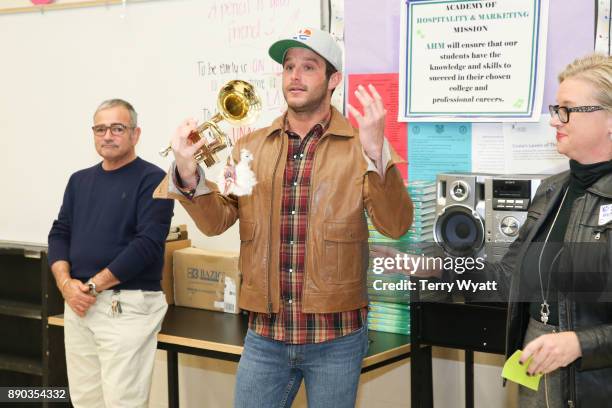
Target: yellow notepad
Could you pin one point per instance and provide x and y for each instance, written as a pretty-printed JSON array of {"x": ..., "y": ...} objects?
[{"x": 517, "y": 373}]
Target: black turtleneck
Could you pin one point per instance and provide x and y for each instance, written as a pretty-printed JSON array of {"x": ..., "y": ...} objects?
[
  {"x": 582, "y": 176},
  {"x": 585, "y": 175}
]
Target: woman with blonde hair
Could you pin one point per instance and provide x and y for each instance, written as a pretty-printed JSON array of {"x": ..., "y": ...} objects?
[
  {"x": 557, "y": 274},
  {"x": 562, "y": 260}
]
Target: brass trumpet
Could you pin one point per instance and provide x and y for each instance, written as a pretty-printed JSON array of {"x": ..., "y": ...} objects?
[{"x": 237, "y": 103}]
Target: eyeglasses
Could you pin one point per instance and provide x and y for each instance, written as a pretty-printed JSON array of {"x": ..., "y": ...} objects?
[
  {"x": 563, "y": 112},
  {"x": 117, "y": 129}
]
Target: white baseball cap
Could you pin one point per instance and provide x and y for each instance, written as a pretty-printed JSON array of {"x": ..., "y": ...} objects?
[{"x": 313, "y": 39}]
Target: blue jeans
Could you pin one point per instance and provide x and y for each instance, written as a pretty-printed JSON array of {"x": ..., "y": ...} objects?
[{"x": 270, "y": 372}]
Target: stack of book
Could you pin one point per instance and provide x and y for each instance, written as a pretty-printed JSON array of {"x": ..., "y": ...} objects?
[
  {"x": 389, "y": 317},
  {"x": 390, "y": 308},
  {"x": 389, "y": 296},
  {"x": 419, "y": 238},
  {"x": 420, "y": 235}
]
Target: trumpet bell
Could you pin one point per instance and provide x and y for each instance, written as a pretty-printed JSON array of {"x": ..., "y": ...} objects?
[{"x": 238, "y": 102}]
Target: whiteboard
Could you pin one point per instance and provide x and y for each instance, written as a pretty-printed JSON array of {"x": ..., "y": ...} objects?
[{"x": 167, "y": 57}]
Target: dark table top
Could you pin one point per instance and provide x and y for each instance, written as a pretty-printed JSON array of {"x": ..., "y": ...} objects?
[{"x": 224, "y": 333}]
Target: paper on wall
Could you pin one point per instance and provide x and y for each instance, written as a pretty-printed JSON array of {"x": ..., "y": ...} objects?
[
  {"x": 532, "y": 148},
  {"x": 438, "y": 147},
  {"x": 488, "y": 148},
  {"x": 602, "y": 36}
]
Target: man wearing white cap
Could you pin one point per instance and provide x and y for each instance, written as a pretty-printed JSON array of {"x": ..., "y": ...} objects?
[{"x": 303, "y": 230}]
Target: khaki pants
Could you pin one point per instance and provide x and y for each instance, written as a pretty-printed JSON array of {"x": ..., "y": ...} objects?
[{"x": 110, "y": 357}]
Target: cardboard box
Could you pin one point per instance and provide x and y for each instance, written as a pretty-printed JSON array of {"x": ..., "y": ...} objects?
[
  {"x": 167, "y": 282},
  {"x": 207, "y": 279}
]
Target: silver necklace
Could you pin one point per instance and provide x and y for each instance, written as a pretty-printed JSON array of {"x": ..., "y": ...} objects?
[{"x": 544, "y": 306}]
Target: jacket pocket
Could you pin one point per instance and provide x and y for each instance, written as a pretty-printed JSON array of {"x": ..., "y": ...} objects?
[
  {"x": 345, "y": 252},
  {"x": 595, "y": 233},
  {"x": 247, "y": 233}
]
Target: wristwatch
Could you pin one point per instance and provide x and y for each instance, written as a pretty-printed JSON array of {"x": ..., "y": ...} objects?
[{"x": 92, "y": 287}]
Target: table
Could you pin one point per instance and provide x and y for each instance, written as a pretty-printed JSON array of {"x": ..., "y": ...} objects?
[
  {"x": 464, "y": 326},
  {"x": 221, "y": 335}
]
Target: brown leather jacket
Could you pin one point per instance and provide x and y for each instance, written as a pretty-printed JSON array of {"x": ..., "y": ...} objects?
[{"x": 341, "y": 191}]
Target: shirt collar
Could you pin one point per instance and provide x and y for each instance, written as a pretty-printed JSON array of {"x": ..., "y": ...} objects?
[{"x": 337, "y": 125}]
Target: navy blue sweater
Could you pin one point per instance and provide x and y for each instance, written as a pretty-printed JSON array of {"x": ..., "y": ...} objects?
[{"x": 109, "y": 219}]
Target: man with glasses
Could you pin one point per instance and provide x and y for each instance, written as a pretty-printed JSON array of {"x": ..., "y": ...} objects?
[{"x": 106, "y": 254}]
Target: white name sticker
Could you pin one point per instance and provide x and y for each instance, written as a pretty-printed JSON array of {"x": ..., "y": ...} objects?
[{"x": 605, "y": 214}]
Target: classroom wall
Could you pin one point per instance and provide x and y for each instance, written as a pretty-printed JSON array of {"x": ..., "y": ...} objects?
[
  {"x": 372, "y": 41},
  {"x": 169, "y": 58}
]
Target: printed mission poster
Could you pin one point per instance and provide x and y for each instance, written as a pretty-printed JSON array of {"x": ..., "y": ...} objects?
[{"x": 472, "y": 60}]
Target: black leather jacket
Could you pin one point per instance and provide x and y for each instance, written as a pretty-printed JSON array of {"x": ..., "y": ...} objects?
[{"x": 587, "y": 382}]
